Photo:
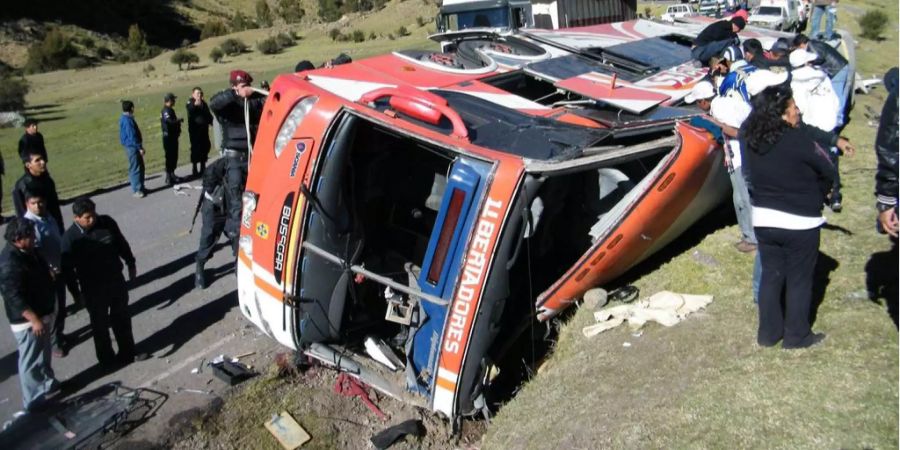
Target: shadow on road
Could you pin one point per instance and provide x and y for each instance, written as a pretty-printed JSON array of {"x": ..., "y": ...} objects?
[
  {"x": 168, "y": 268},
  {"x": 881, "y": 280},
  {"x": 188, "y": 326}
]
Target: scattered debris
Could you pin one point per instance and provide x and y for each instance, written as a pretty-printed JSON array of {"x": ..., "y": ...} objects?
[
  {"x": 705, "y": 259},
  {"x": 379, "y": 351},
  {"x": 243, "y": 355},
  {"x": 861, "y": 85},
  {"x": 626, "y": 344},
  {"x": 624, "y": 294},
  {"x": 181, "y": 189},
  {"x": 286, "y": 429},
  {"x": 596, "y": 298},
  {"x": 348, "y": 386},
  {"x": 193, "y": 391},
  {"x": 390, "y": 435},
  {"x": 666, "y": 308},
  {"x": 231, "y": 372}
]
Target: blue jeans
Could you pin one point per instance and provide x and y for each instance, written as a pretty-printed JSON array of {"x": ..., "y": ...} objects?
[
  {"x": 135, "y": 169},
  {"x": 741, "y": 199},
  {"x": 839, "y": 81},
  {"x": 35, "y": 374},
  {"x": 757, "y": 277},
  {"x": 817, "y": 12}
]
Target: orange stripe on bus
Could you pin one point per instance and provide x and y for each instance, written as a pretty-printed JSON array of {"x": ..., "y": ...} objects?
[
  {"x": 268, "y": 288},
  {"x": 446, "y": 384}
]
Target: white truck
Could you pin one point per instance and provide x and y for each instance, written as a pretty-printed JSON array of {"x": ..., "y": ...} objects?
[
  {"x": 779, "y": 15},
  {"x": 677, "y": 11},
  {"x": 510, "y": 15}
]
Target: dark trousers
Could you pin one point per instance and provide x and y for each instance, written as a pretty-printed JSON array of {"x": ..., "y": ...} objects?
[
  {"x": 170, "y": 146},
  {"x": 59, "y": 324},
  {"x": 107, "y": 307},
  {"x": 213, "y": 226},
  {"x": 235, "y": 180},
  {"x": 788, "y": 260}
]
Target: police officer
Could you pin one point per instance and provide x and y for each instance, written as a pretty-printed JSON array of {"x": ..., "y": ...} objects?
[
  {"x": 213, "y": 209},
  {"x": 229, "y": 106},
  {"x": 171, "y": 130}
]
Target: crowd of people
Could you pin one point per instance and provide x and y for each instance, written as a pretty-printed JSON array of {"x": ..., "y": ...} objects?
[
  {"x": 778, "y": 118},
  {"x": 42, "y": 258}
]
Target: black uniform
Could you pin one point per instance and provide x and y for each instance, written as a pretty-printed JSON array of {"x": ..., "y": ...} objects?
[
  {"x": 214, "y": 215},
  {"x": 171, "y": 130},
  {"x": 229, "y": 110},
  {"x": 32, "y": 142},
  {"x": 92, "y": 265},
  {"x": 43, "y": 185},
  {"x": 199, "y": 121}
]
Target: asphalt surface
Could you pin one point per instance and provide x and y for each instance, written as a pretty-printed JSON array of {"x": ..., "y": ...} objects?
[{"x": 177, "y": 325}]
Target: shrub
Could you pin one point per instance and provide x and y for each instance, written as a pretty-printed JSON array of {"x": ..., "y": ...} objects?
[
  {"x": 12, "y": 93},
  {"x": 182, "y": 56},
  {"x": 240, "y": 22},
  {"x": 420, "y": 21},
  {"x": 372, "y": 36},
  {"x": 268, "y": 46},
  {"x": 358, "y": 36},
  {"x": 104, "y": 53},
  {"x": 147, "y": 69},
  {"x": 213, "y": 28},
  {"x": 216, "y": 54},
  {"x": 136, "y": 46},
  {"x": 334, "y": 34},
  {"x": 290, "y": 10},
  {"x": 233, "y": 47},
  {"x": 391, "y": 36},
  {"x": 88, "y": 42},
  {"x": 51, "y": 53},
  {"x": 185, "y": 43},
  {"x": 263, "y": 13},
  {"x": 329, "y": 10},
  {"x": 77, "y": 62},
  {"x": 285, "y": 40},
  {"x": 402, "y": 31},
  {"x": 872, "y": 23}
]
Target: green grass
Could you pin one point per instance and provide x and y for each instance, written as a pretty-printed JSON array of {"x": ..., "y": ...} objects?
[
  {"x": 704, "y": 383},
  {"x": 80, "y": 109}
]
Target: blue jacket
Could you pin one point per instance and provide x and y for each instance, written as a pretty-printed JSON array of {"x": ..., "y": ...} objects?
[{"x": 129, "y": 133}]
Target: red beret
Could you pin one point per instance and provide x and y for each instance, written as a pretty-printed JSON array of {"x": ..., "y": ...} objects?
[{"x": 239, "y": 76}]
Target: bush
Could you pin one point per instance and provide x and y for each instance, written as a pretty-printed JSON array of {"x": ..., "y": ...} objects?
[
  {"x": 240, "y": 22},
  {"x": 51, "y": 53},
  {"x": 147, "y": 69},
  {"x": 182, "y": 56},
  {"x": 136, "y": 46},
  {"x": 402, "y": 31},
  {"x": 391, "y": 36},
  {"x": 290, "y": 10},
  {"x": 420, "y": 21},
  {"x": 12, "y": 93},
  {"x": 185, "y": 43},
  {"x": 285, "y": 40},
  {"x": 358, "y": 36},
  {"x": 334, "y": 34},
  {"x": 268, "y": 46},
  {"x": 263, "y": 13},
  {"x": 88, "y": 42},
  {"x": 372, "y": 36},
  {"x": 233, "y": 47},
  {"x": 329, "y": 10},
  {"x": 104, "y": 53},
  {"x": 872, "y": 24},
  {"x": 78, "y": 62},
  {"x": 213, "y": 28},
  {"x": 216, "y": 54}
]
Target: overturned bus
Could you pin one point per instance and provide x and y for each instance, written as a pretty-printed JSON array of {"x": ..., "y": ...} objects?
[{"x": 407, "y": 232}]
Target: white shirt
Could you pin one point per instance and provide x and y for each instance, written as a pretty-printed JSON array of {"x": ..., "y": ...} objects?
[
  {"x": 815, "y": 97},
  {"x": 773, "y": 218}
]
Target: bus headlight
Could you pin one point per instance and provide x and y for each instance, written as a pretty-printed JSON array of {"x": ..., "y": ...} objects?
[{"x": 286, "y": 133}]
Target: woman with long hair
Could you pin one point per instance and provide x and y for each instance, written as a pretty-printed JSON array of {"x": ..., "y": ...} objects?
[{"x": 790, "y": 177}]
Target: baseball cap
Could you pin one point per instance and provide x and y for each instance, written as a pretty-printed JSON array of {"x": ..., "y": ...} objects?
[
  {"x": 239, "y": 76},
  {"x": 760, "y": 79},
  {"x": 170, "y": 97},
  {"x": 700, "y": 91},
  {"x": 739, "y": 21},
  {"x": 801, "y": 57}
]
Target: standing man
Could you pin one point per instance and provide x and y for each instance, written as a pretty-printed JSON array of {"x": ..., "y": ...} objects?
[
  {"x": 214, "y": 214},
  {"x": 26, "y": 287},
  {"x": 32, "y": 139},
  {"x": 238, "y": 132},
  {"x": 93, "y": 249},
  {"x": 130, "y": 138},
  {"x": 199, "y": 121},
  {"x": 819, "y": 7},
  {"x": 171, "y": 130},
  {"x": 48, "y": 244},
  {"x": 36, "y": 179},
  {"x": 886, "y": 148}
]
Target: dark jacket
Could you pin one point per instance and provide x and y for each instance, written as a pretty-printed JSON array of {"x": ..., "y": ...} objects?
[
  {"x": 199, "y": 117},
  {"x": 93, "y": 259},
  {"x": 794, "y": 175},
  {"x": 229, "y": 110},
  {"x": 886, "y": 143},
  {"x": 171, "y": 126},
  {"x": 35, "y": 142},
  {"x": 43, "y": 185},
  {"x": 714, "y": 32},
  {"x": 214, "y": 184},
  {"x": 25, "y": 283}
]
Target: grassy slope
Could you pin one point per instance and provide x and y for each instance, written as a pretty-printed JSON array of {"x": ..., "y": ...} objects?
[
  {"x": 83, "y": 139},
  {"x": 704, "y": 383}
]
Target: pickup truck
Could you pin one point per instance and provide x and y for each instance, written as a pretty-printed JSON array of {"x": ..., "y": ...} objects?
[
  {"x": 677, "y": 11},
  {"x": 779, "y": 18}
]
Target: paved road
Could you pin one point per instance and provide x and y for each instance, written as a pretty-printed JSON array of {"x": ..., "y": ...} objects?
[{"x": 174, "y": 323}]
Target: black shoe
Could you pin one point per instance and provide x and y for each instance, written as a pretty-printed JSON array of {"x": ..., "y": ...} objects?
[
  {"x": 809, "y": 341},
  {"x": 836, "y": 206},
  {"x": 764, "y": 343},
  {"x": 199, "y": 278}
]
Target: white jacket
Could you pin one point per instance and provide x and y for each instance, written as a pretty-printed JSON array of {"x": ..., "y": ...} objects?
[{"x": 815, "y": 97}]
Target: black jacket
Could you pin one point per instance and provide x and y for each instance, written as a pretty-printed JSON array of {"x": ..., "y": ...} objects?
[
  {"x": 36, "y": 142},
  {"x": 43, "y": 185},
  {"x": 214, "y": 184},
  {"x": 171, "y": 126},
  {"x": 199, "y": 117},
  {"x": 229, "y": 110},
  {"x": 886, "y": 143},
  {"x": 25, "y": 283},
  {"x": 794, "y": 175},
  {"x": 714, "y": 32},
  {"x": 93, "y": 259}
]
